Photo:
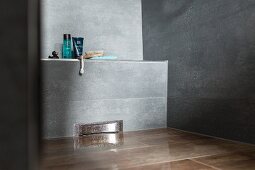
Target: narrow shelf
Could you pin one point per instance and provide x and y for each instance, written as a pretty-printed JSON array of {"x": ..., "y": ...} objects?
[{"x": 89, "y": 60}]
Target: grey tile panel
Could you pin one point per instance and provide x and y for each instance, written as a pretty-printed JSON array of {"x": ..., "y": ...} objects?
[
  {"x": 210, "y": 49},
  {"x": 226, "y": 118},
  {"x": 103, "y": 80},
  {"x": 114, "y": 26},
  {"x": 133, "y": 91},
  {"x": 140, "y": 113},
  {"x": 209, "y": 46}
]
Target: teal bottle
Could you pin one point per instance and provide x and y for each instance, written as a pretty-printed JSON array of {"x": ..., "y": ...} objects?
[{"x": 67, "y": 46}]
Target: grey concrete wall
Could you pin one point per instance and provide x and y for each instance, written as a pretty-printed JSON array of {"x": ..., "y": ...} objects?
[
  {"x": 210, "y": 46},
  {"x": 133, "y": 91},
  {"x": 114, "y": 26},
  {"x": 17, "y": 144}
]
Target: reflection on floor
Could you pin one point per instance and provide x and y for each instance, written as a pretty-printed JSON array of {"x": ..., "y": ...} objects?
[{"x": 152, "y": 149}]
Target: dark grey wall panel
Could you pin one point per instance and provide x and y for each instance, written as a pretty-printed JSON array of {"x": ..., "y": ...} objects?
[
  {"x": 210, "y": 46},
  {"x": 17, "y": 143},
  {"x": 114, "y": 26},
  {"x": 133, "y": 91},
  {"x": 228, "y": 118}
]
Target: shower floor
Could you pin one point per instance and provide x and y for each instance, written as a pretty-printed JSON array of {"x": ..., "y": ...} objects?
[{"x": 150, "y": 149}]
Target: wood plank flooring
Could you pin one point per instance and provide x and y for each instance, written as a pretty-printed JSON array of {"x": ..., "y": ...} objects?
[{"x": 147, "y": 150}]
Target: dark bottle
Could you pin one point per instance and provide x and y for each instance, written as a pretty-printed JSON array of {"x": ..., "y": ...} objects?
[{"x": 78, "y": 46}]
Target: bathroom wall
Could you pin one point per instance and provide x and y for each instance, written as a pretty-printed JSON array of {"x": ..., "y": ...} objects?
[
  {"x": 132, "y": 91},
  {"x": 18, "y": 87},
  {"x": 210, "y": 46},
  {"x": 114, "y": 26}
]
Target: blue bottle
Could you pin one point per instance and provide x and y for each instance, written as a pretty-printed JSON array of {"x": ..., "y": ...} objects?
[{"x": 67, "y": 46}]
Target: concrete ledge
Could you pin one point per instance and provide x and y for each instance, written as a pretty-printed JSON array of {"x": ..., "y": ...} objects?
[
  {"x": 132, "y": 91},
  {"x": 106, "y": 60}
]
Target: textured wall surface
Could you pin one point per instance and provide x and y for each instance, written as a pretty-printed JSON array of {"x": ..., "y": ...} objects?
[
  {"x": 210, "y": 46},
  {"x": 133, "y": 91},
  {"x": 114, "y": 26},
  {"x": 13, "y": 66},
  {"x": 15, "y": 95}
]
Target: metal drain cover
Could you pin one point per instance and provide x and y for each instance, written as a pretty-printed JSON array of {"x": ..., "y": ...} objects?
[
  {"x": 102, "y": 140},
  {"x": 98, "y": 127}
]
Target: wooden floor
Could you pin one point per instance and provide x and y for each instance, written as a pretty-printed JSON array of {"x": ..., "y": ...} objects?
[{"x": 152, "y": 149}]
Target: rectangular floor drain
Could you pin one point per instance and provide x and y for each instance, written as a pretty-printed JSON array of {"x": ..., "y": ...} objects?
[
  {"x": 99, "y": 140},
  {"x": 98, "y": 127}
]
